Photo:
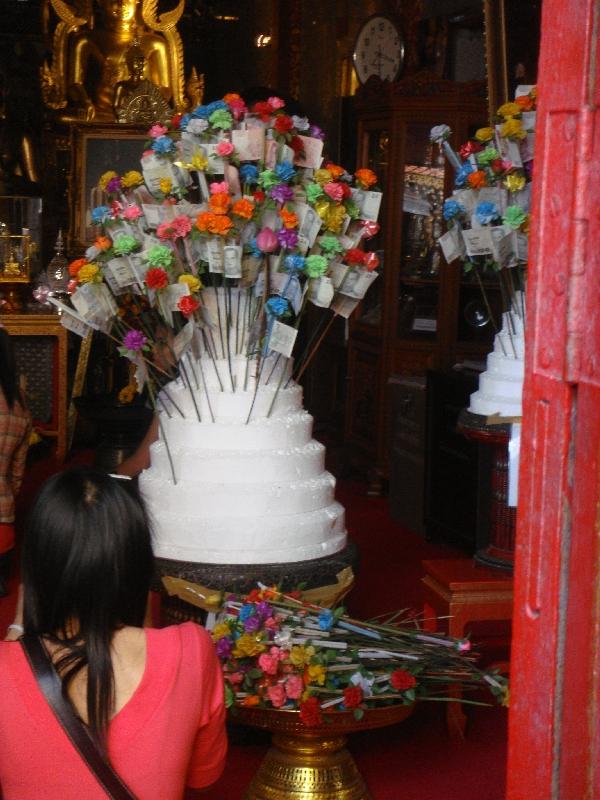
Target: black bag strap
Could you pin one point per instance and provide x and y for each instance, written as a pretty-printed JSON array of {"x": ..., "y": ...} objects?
[{"x": 51, "y": 687}]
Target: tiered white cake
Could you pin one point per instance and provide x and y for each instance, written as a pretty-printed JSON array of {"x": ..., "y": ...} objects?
[
  {"x": 246, "y": 492},
  {"x": 501, "y": 385}
]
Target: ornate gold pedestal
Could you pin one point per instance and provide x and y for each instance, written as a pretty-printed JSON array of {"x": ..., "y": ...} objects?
[{"x": 312, "y": 763}]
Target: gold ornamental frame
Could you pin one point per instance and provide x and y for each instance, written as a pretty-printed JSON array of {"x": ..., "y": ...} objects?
[{"x": 96, "y": 149}]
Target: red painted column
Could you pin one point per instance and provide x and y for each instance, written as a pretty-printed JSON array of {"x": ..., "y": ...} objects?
[{"x": 554, "y": 728}]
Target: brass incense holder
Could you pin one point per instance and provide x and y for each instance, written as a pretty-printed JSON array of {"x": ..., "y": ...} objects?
[{"x": 312, "y": 763}]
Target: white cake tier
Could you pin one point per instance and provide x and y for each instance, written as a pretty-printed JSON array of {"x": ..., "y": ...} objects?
[
  {"x": 273, "y": 433},
  {"x": 501, "y": 366},
  {"x": 255, "y": 540},
  {"x": 509, "y": 345},
  {"x": 181, "y": 400},
  {"x": 502, "y": 386},
  {"x": 240, "y": 466},
  {"x": 488, "y": 406},
  {"x": 242, "y": 500}
]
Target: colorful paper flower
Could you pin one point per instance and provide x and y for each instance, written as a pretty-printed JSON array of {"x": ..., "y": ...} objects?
[
  {"x": 125, "y": 244},
  {"x": 315, "y": 266},
  {"x": 453, "y": 209},
  {"x": 486, "y": 213},
  {"x": 267, "y": 241},
  {"x": 310, "y": 712},
  {"x": 365, "y": 178},
  {"x": 514, "y": 217},
  {"x": 163, "y": 145},
  {"x": 132, "y": 179},
  {"x": 194, "y": 283},
  {"x": 187, "y": 305},
  {"x": 105, "y": 179},
  {"x": 159, "y": 256},
  {"x": 401, "y": 680},
  {"x": 353, "y": 696},
  {"x": 135, "y": 341},
  {"x": 89, "y": 273},
  {"x": 156, "y": 278}
]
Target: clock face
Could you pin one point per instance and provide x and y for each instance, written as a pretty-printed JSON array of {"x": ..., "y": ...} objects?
[{"x": 379, "y": 50}]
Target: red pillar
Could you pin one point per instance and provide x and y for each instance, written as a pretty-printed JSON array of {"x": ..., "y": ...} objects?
[{"x": 554, "y": 729}]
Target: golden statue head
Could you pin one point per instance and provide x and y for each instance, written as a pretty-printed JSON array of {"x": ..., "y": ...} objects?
[{"x": 123, "y": 11}]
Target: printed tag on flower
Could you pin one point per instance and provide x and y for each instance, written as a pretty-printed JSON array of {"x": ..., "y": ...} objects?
[
  {"x": 270, "y": 153},
  {"x": 368, "y": 203},
  {"x": 522, "y": 198},
  {"x": 216, "y": 164},
  {"x": 183, "y": 339},
  {"x": 282, "y": 338},
  {"x": 343, "y": 306},
  {"x": 528, "y": 147},
  {"x": 249, "y": 144},
  {"x": 309, "y": 223},
  {"x": 232, "y": 261},
  {"x": 92, "y": 252},
  {"x": 250, "y": 268},
  {"x": 215, "y": 255},
  {"x": 69, "y": 319},
  {"x": 87, "y": 303},
  {"x": 478, "y": 242},
  {"x": 337, "y": 272},
  {"x": 321, "y": 292},
  {"x": 509, "y": 150},
  {"x": 502, "y": 245},
  {"x": 357, "y": 283},
  {"x": 155, "y": 170},
  {"x": 493, "y": 194},
  {"x": 523, "y": 89},
  {"x": 467, "y": 198},
  {"x": 528, "y": 120},
  {"x": 452, "y": 245},
  {"x": 232, "y": 176},
  {"x": 313, "y": 152},
  {"x": 174, "y": 292},
  {"x": 152, "y": 214},
  {"x": 141, "y": 372},
  {"x": 120, "y": 271},
  {"x": 106, "y": 299},
  {"x": 521, "y": 245}
]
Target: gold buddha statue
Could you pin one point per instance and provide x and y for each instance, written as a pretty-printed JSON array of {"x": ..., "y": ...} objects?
[{"x": 92, "y": 56}]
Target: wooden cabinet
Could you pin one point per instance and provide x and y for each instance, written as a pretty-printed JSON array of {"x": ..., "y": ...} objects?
[{"x": 421, "y": 313}]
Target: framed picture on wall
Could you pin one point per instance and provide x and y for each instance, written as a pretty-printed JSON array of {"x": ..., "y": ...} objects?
[{"x": 96, "y": 149}]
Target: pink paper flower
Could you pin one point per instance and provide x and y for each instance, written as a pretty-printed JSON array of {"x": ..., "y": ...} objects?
[
  {"x": 219, "y": 188},
  {"x": 277, "y": 695},
  {"x": 334, "y": 190},
  {"x": 275, "y": 103},
  {"x": 294, "y": 686},
  {"x": 157, "y": 130},
  {"x": 225, "y": 148},
  {"x": 132, "y": 212},
  {"x": 268, "y": 663},
  {"x": 267, "y": 241}
]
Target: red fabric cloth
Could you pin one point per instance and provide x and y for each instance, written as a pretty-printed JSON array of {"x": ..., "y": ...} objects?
[
  {"x": 170, "y": 733},
  {"x": 7, "y": 537}
]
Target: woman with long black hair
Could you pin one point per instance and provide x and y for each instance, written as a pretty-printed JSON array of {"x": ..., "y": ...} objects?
[
  {"x": 152, "y": 700},
  {"x": 15, "y": 428}
]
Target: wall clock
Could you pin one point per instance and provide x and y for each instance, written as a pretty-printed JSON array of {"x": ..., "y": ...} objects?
[{"x": 379, "y": 49}]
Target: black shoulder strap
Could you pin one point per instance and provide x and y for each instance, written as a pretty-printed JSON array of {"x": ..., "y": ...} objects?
[{"x": 51, "y": 687}]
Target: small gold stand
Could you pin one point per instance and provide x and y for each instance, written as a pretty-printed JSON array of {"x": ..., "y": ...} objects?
[{"x": 312, "y": 763}]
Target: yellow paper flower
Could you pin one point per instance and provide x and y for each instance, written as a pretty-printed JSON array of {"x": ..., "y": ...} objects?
[
  {"x": 165, "y": 185},
  {"x": 513, "y": 129},
  {"x": 105, "y": 179},
  {"x": 131, "y": 179},
  {"x": 507, "y": 110},
  {"x": 322, "y": 176},
  {"x": 322, "y": 207},
  {"x": 90, "y": 273},
  {"x": 221, "y": 629},
  {"x": 248, "y": 645},
  {"x": 301, "y": 655},
  {"x": 484, "y": 134},
  {"x": 334, "y": 219},
  {"x": 316, "y": 673},
  {"x": 514, "y": 183},
  {"x": 192, "y": 281},
  {"x": 199, "y": 161}
]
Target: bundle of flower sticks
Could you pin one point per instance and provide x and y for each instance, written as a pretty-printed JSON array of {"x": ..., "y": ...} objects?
[{"x": 280, "y": 652}]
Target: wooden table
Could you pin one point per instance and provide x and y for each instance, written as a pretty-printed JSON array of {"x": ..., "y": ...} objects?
[{"x": 463, "y": 592}]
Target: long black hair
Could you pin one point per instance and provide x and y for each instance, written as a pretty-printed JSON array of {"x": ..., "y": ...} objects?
[
  {"x": 9, "y": 379},
  {"x": 87, "y": 568}
]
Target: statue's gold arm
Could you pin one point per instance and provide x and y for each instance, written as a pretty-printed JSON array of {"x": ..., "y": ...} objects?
[{"x": 166, "y": 24}]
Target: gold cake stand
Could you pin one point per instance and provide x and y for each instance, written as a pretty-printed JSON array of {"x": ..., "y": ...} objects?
[{"x": 312, "y": 763}]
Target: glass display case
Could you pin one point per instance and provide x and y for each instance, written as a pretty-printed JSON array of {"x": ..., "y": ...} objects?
[{"x": 422, "y": 313}]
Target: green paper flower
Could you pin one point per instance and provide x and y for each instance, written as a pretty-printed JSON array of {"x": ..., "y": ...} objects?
[
  {"x": 352, "y": 209},
  {"x": 125, "y": 244},
  {"x": 159, "y": 256},
  {"x": 514, "y": 217},
  {"x": 315, "y": 266},
  {"x": 313, "y": 192},
  {"x": 267, "y": 179},
  {"x": 221, "y": 119},
  {"x": 487, "y": 156},
  {"x": 330, "y": 246}
]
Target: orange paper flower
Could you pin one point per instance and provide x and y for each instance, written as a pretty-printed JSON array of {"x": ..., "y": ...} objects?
[
  {"x": 203, "y": 221},
  {"x": 76, "y": 265},
  {"x": 243, "y": 208},
  {"x": 289, "y": 218},
  {"x": 477, "y": 179},
  {"x": 103, "y": 243},
  {"x": 219, "y": 203},
  {"x": 365, "y": 177},
  {"x": 221, "y": 225}
]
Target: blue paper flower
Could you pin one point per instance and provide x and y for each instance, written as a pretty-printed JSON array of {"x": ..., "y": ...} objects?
[
  {"x": 204, "y": 112},
  {"x": 249, "y": 173},
  {"x": 253, "y": 249},
  {"x": 462, "y": 174},
  {"x": 277, "y": 306},
  {"x": 163, "y": 145},
  {"x": 293, "y": 263},
  {"x": 326, "y": 620},
  {"x": 453, "y": 209},
  {"x": 285, "y": 170},
  {"x": 246, "y": 611},
  {"x": 486, "y": 213},
  {"x": 183, "y": 122},
  {"x": 100, "y": 214}
]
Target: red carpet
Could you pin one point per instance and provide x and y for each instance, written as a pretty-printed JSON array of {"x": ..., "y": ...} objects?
[{"x": 414, "y": 760}]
